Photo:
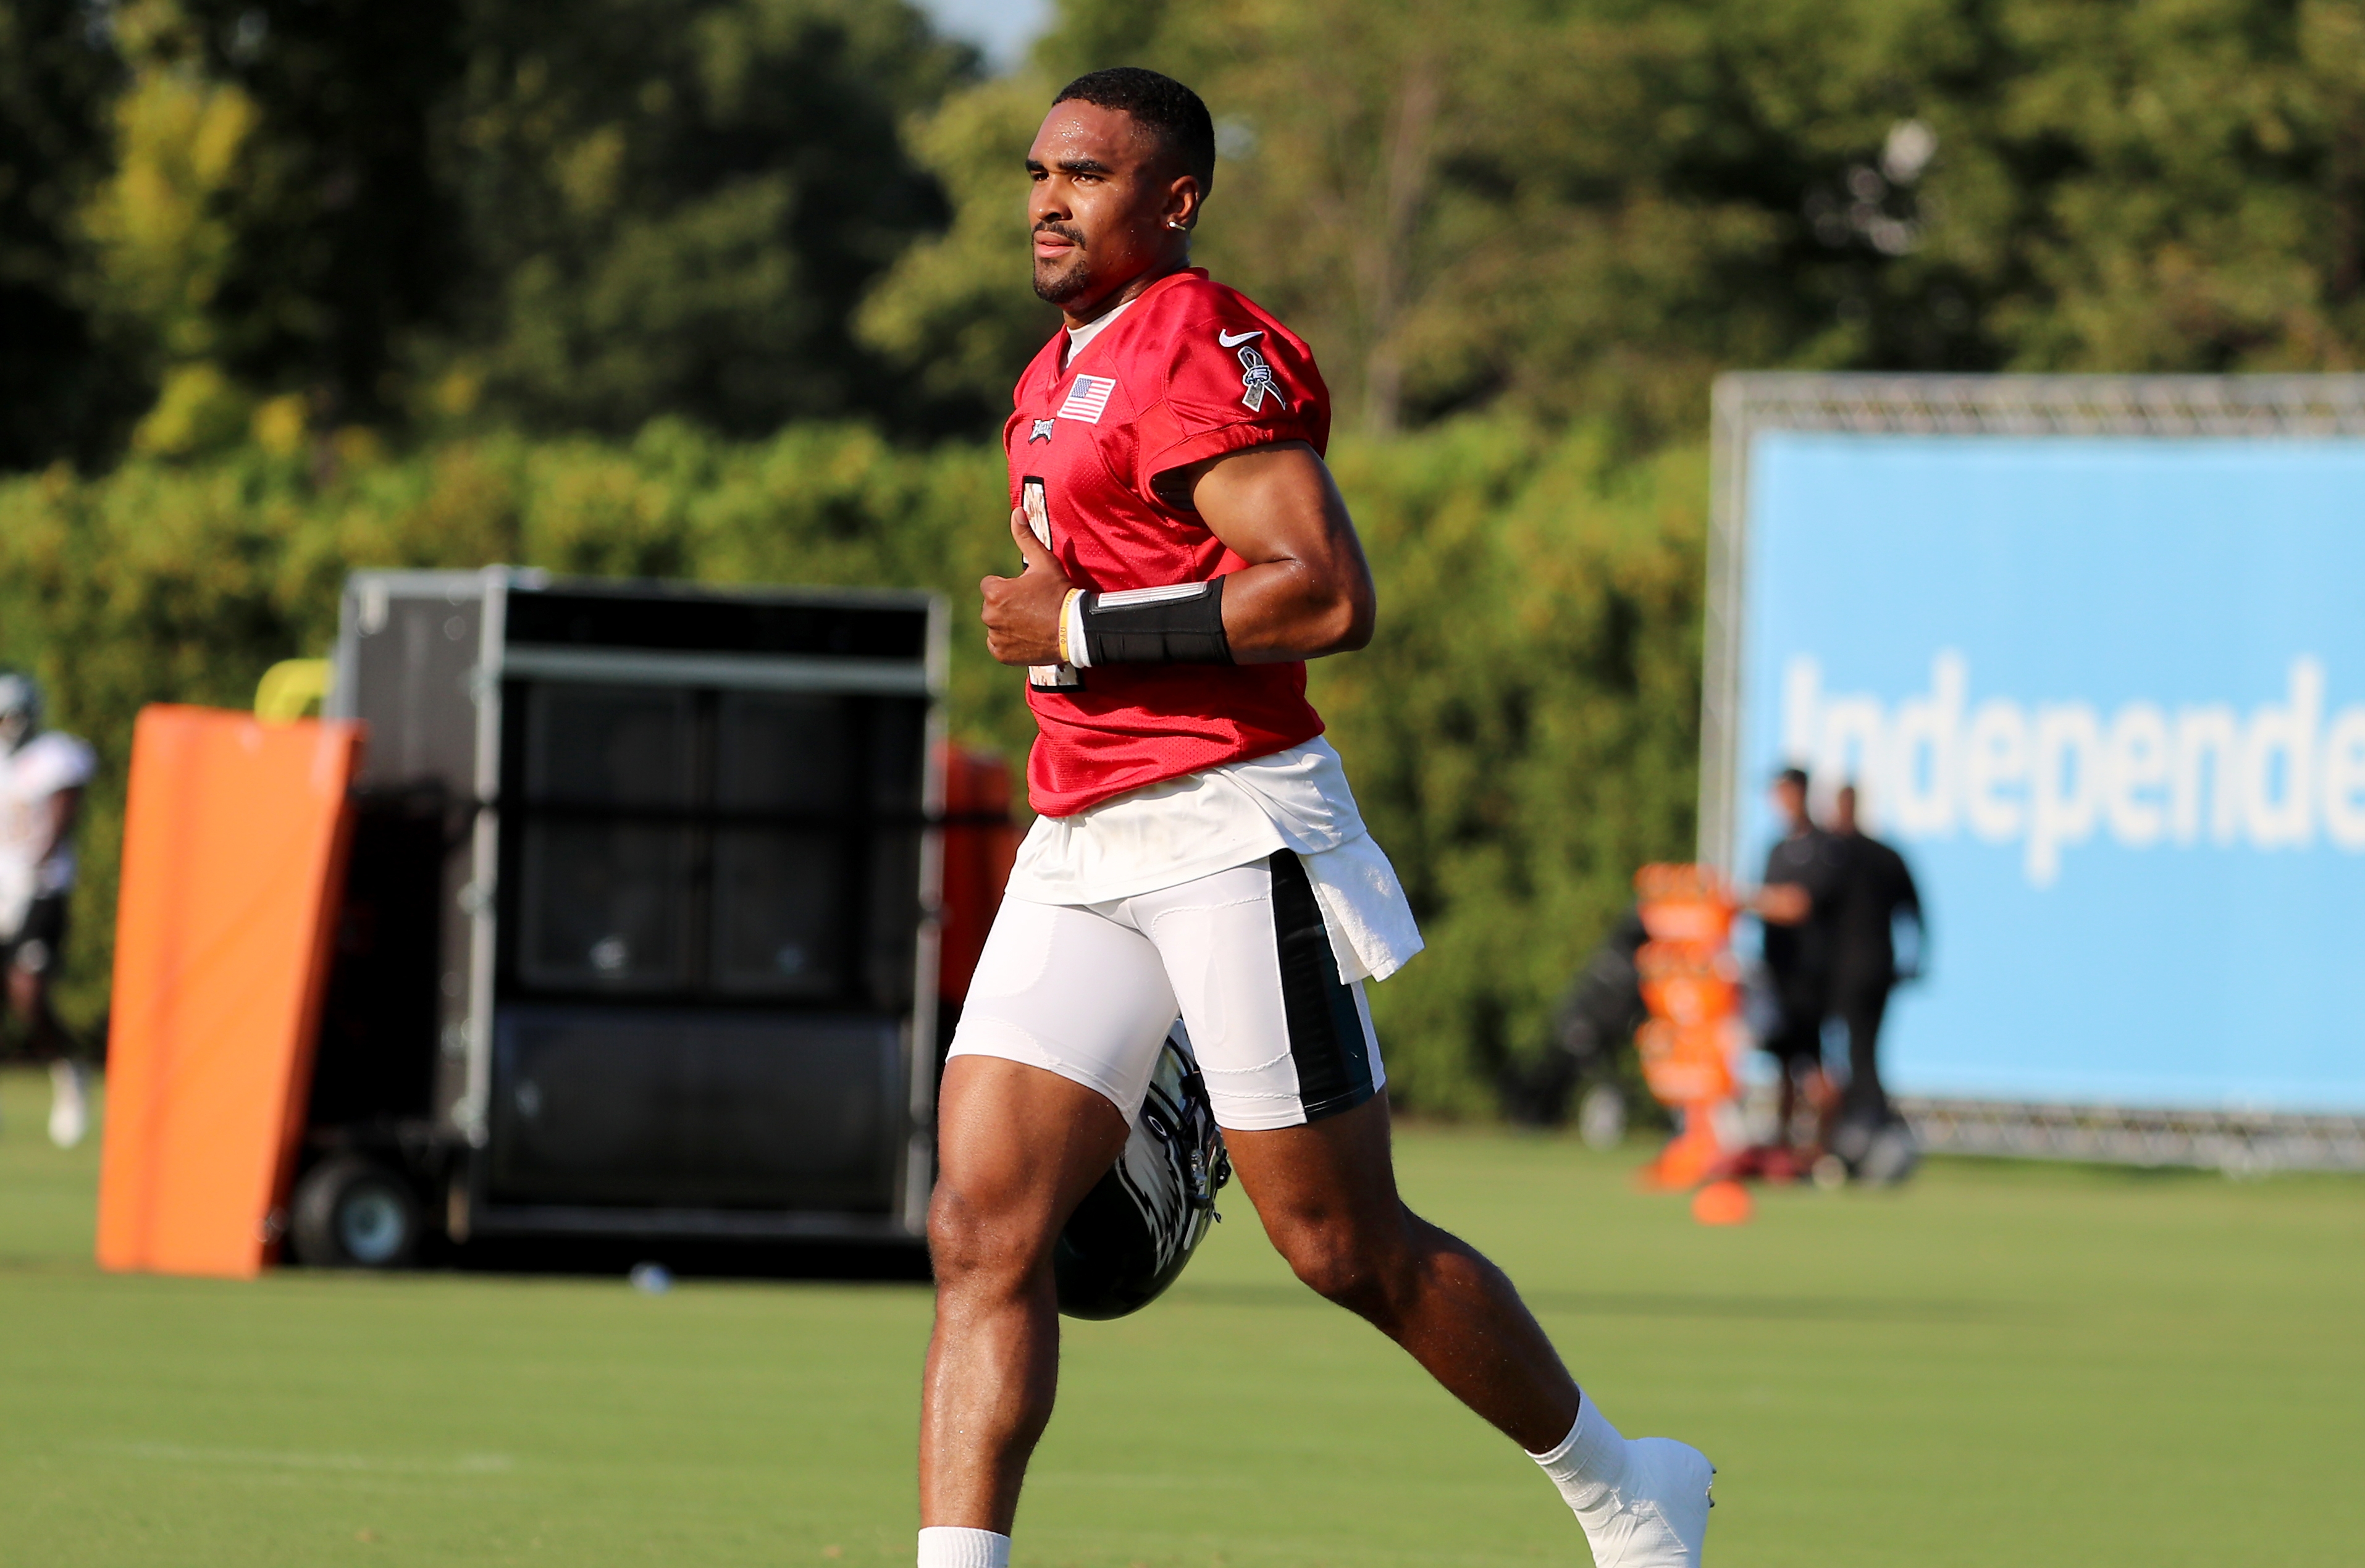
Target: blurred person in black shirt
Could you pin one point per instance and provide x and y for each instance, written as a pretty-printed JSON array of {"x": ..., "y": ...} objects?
[
  {"x": 1799, "y": 903},
  {"x": 1875, "y": 889}
]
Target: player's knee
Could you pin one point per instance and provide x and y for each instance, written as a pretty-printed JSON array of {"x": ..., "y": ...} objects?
[
  {"x": 1338, "y": 1275},
  {"x": 972, "y": 1243},
  {"x": 1360, "y": 1268},
  {"x": 960, "y": 1236}
]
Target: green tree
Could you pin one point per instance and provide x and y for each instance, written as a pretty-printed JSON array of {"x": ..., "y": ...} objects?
[
  {"x": 1567, "y": 207},
  {"x": 2199, "y": 199},
  {"x": 1588, "y": 207},
  {"x": 270, "y": 224},
  {"x": 325, "y": 213},
  {"x": 957, "y": 310},
  {"x": 62, "y": 394},
  {"x": 343, "y": 244},
  {"x": 1581, "y": 208},
  {"x": 674, "y": 208}
]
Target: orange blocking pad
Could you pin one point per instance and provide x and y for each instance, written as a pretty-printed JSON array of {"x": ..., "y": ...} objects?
[{"x": 234, "y": 843}]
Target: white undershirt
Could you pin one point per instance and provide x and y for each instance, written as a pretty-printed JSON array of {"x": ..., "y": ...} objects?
[
  {"x": 1221, "y": 817},
  {"x": 1079, "y": 336}
]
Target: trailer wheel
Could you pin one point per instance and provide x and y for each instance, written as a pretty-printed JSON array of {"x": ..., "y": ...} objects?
[{"x": 352, "y": 1212}]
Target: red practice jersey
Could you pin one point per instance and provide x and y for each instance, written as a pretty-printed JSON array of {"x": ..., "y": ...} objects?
[{"x": 1191, "y": 370}]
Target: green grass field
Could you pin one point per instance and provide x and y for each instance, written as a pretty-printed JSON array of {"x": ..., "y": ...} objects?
[{"x": 2000, "y": 1366}]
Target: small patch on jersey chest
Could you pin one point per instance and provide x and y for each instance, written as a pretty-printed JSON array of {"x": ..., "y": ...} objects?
[{"x": 1088, "y": 399}]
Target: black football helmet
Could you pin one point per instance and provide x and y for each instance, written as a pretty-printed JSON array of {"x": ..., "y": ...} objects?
[
  {"x": 20, "y": 709},
  {"x": 1133, "y": 1231}
]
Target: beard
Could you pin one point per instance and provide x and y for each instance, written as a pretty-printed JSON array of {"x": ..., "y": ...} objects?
[{"x": 1056, "y": 282}]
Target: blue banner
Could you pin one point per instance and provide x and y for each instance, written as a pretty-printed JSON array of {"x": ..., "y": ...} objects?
[{"x": 2107, "y": 695}]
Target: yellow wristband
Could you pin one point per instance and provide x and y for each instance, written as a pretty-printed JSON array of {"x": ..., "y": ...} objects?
[{"x": 1064, "y": 604}]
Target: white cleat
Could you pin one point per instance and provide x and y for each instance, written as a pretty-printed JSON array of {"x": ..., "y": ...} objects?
[{"x": 1656, "y": 1516}]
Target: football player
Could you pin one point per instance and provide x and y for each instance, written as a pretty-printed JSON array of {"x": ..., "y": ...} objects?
[
  {"x": 1197, "y": 852},
  {"x": 42, "y": 774}
]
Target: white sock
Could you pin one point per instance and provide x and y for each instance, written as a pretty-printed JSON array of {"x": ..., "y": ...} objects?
[
  {"x": 1590, "y": 1461},
  {"x": 948, "y": 1546},
  {"x": 69, "y": 1113}
]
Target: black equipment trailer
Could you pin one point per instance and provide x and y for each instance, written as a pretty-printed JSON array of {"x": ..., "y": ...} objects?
[{"x": 637, "y": 942}]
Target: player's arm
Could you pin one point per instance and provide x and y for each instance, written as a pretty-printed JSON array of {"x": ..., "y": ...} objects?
[
  {"x": 1794, "y": 903},
  {"x": 1306, "y": 591},
  {"x": 64, "y": 805}
]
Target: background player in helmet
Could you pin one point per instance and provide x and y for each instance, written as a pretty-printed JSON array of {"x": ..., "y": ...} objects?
[
  {"x": 1198, "y": 853},
  {"x": 41, "y": 777}
]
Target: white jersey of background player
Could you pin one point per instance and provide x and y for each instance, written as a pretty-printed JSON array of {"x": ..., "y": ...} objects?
[{"x": 42, "y": 773}]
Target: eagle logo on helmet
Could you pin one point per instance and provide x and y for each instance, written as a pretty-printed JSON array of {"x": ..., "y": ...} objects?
[{"x": 1130, "y": 1236}]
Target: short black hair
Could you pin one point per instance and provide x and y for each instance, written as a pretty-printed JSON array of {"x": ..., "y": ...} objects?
[
  {"x": 1172, "y": 113},
  {"x": 1792, "y": 775}
]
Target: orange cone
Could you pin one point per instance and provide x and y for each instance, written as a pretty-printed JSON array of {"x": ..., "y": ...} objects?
[{"x": 1723, "y": 1202}]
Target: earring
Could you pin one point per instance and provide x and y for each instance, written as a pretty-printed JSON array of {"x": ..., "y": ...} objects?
[{"x": 1183, "y": 227}]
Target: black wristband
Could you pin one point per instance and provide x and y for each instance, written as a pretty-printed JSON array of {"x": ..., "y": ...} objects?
[{"x": 1178, "y": 626}]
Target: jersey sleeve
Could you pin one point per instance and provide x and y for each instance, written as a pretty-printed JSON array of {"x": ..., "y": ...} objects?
[
  {"x": 1230, "y": 386},
  {"x": 53, "y": 762}
]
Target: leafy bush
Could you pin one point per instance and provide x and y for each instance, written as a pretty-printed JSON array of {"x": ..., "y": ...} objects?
[{"x": 1522, "y": 732}]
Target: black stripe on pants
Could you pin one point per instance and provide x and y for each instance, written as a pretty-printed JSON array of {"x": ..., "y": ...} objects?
[{"x": 1326, "y": 1030}]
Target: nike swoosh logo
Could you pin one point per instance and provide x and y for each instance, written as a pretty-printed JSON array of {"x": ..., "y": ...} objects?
[{"x": 1234, "y": 340}]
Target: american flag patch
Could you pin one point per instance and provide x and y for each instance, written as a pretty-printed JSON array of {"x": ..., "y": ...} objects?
[{"x": 1088, "y": 398}]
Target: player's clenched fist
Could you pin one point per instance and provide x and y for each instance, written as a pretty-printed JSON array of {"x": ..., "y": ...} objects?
[{"x": 1022, "y": 613}]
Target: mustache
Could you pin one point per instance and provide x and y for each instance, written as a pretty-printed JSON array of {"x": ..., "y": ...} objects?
[{"x": 1069, "y": 232}]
